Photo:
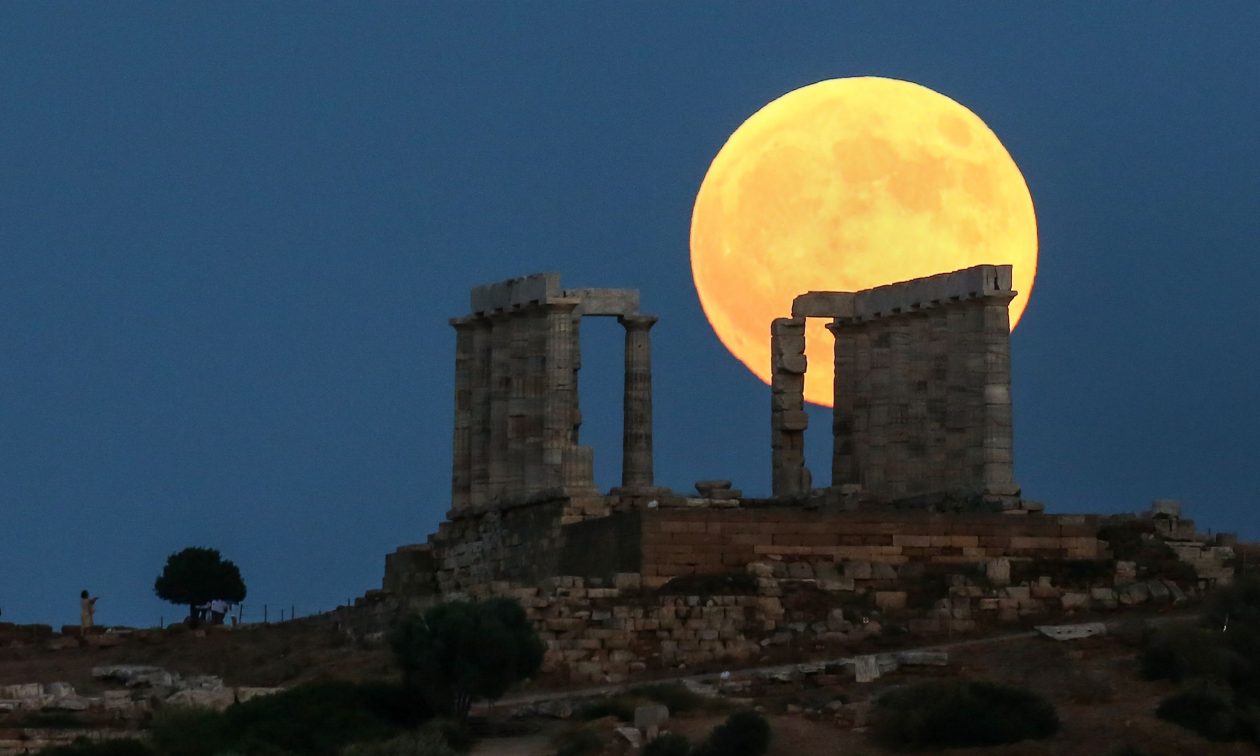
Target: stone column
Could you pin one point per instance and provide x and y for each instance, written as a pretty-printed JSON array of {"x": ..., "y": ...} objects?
[
  {"x": 535, "y": 380},
  {"x": 499, "y": 393},
  {"x": 844, "y": 450},
  {"x": 788, "y": 420},
  {"x": 999, "y": 459},
  {"x": 479, "y": 421},
  {"x": 518, "y": 404},
  {"x": 558, "y": 434},
  {"x": 636, "y": 443},
  {"x": 461, "y": 442}
]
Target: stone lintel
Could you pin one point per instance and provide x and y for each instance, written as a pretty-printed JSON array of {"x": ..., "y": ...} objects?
[
  {"x": 515, "y": 292},
  {"x": 823, "y": 304},
  {"x": 970, "y": 283},
  {"x": 611, "y": 302}
]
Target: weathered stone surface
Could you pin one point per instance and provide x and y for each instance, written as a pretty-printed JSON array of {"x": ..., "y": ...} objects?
[
  {"x": 931, "y": 354},
  {"x": 866, "y": 669},
  {"x": 217, "y": 699},
  {"x": 1072, "y": 632},
  {"x": 135, "y": 675},
  {"x": 631, "y": 736},
  {"x": 650, "y": 715}
]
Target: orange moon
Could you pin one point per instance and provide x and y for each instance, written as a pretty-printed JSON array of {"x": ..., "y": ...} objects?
[{"x": 844, "y": 185}]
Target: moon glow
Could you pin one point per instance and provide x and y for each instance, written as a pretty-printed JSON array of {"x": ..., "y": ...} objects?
[{"x": 844, "y": 185}]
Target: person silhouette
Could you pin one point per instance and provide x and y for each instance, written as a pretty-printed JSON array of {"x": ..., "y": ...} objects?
[{"x": 87, "y": 610}]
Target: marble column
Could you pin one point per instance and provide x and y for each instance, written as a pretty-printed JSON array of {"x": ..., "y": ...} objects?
[
  {"x": 561, "y": 400},
  {"x": 788, "y": 421},
  {"x": 499, "y": 393},
  {"x": 461, "y": 458},
  {"x": 636, "y": 447},
  {"x": 844, "y": 451},
  {"x": 999, "y": 458},
  {"x": 479, "y": 421}
]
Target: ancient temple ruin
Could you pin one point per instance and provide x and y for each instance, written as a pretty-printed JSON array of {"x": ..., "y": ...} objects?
[
  {"x": 922, "y": 401},
  {"x": 517, "y": 417},
  {"x": 922, "y": 525}
]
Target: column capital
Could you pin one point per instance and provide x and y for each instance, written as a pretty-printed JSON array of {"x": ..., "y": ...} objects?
[{"x": 638, "y": 321}]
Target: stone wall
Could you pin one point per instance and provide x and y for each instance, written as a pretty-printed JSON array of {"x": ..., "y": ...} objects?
[
  {"x": 608, "y": 630},
  {"x": 520, "y": 543},
  {"x": 684, "y": 542},
  {"x": 923, "y": 386}
]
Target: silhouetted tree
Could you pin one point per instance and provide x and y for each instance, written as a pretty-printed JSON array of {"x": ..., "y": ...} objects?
[
  {"x": 197, "y": 575},
  {"x": 461, "y": 651}
]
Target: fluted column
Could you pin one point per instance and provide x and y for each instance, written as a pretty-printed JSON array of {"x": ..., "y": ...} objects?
[
  {"x": 636, "y": 447},
  {"x": 561, "y": 398},
  {"x": 461, "y": 456},
  {"x": 479, "y": 421}
]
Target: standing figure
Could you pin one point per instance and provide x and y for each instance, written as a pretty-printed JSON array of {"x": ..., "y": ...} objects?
[
  {"x": 87, "y": 609},
  {"x": 218, "y": 608}
]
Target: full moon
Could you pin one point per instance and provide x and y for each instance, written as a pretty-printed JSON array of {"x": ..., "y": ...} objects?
[{"x": 844, "y": 185}]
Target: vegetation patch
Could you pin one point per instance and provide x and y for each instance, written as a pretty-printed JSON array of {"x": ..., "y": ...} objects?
[
  {"x": 317, "y": 718},
  {"x": 744, "y": 733},
  {"x": 1220, "y": 663},
  {"x": 578, "y": 741},
  {"x": 85, "y": 747},
  {"x": 1212, "y": 713},
  {"x": 669, "y": 744},
  {"x": 461, "y": 651},
  {"x": 959, "y": 713}
]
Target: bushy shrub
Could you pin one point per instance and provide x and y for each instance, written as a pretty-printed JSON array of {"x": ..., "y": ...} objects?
[
  {"x": 1186, "y": 653},
  {"x": 85, "y": 747},
  {"x": 183, "y": 731},
  {"x": 669, "y": 744},
  {"x": 577, "y": 741},
  {"x": 744, "y": 733},
  {"x": 460, "y": 651},
  {"x": 456, "y": 733},
  {"x": 316, "y": 718},
  {"x": 956, "y": 713},
  {"x": 1210, "y": 712},
  {"x": 411, "y": 744}
]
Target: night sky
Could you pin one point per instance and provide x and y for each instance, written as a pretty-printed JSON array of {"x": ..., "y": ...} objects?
[{"x": 232, "y": 235}]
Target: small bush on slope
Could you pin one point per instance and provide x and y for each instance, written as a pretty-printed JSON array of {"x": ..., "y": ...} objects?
[{"x": 957, "y": 713}]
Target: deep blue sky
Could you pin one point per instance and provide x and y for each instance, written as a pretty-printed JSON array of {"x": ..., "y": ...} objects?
[{"x": 232, "y": 235}]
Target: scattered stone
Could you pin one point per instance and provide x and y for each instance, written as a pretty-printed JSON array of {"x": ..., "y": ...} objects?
[
  {"x": 1072, "y": 632},
  {"x": 922, "y": 658},
  {"x": 632, "y": 736},
  {"x": 866, "y": 669}
]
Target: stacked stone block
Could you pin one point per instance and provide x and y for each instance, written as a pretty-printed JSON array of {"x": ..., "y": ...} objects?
[
  {"x": 679, "y": 542},
  {"x": 923, "y": 386},
  {"x": 517, "y": 417},
  {"x": 788, "y": 420}
]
